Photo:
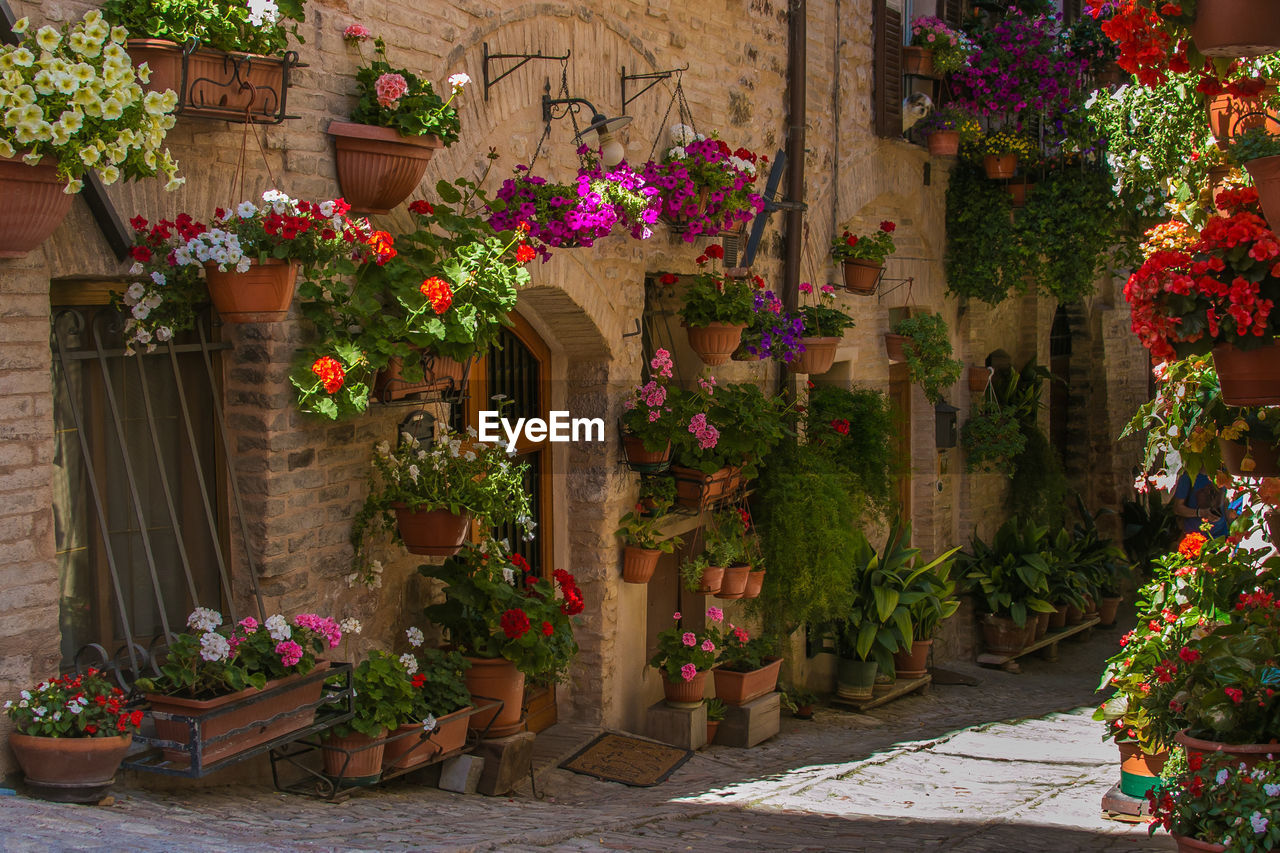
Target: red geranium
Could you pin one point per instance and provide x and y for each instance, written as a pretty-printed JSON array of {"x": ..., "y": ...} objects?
[
  {"x": 330, "y": 372},
  {"x": 515, "y": 623},
  {"x": 438, "y": 293},
  {"x": 525, "y": 253}
]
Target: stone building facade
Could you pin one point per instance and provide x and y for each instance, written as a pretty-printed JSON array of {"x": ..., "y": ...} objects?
[{"x": 300, "y": 480}]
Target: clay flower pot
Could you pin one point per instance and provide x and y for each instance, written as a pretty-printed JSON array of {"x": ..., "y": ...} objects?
[
  {"x": 1248, "y": 377},
  {"x": 713, "y": 726},
  {"x": 496, "y": 678},
  {"x": 1265, "y": 172},
  {"x": 755, "y": 583},
  {"x": 1139, "y": 771},
  {"x": 696, "y": 490},
  {"x": 715, "y": 343},
  {"x": 1107, "y": 610},
  {"x": 914, "y": 663},
  {"x": 432, "y": 533},
  {"x": 1231, "y": 115},
  {"x": 944, "y": 143},
  {"x": 1018, "y": 194},
  {"x": 1236, "y": 27},
  {"x": 356, "y": 759},
  {"x": 918, "y": 61},
  {"x": 646, "y": 461},
  {"x": 439, "y": 373},
  {"x": 1195, "y": 845},
  {"x": 855, "y": 679},
  {"x": 893, "y": 347},
  {"x": 734, "y": 584},
  {"x": 638, "y": 564},
  {"x": 1001, "y": 636},
  {"x": 712, "y": 578},
  {"x": 69, "y": 769},
  {"x": 1058, "y": 618},
  {"x": 377, "y": 167},
  {"x": 861, "y": 276},
  {"x": 260, "y": 294},
  {"x": 818, "y": 356},
  {"x": 34, "y": 204},
  {"x": 1247, "y": 754},
  {"x": 684, "y": 694},
  {"x": 449, "y": 735},
  {"x": 1000, "y": 166},
  {"x": 739, "y": 688},
  {"x": 219, "y": 85}
]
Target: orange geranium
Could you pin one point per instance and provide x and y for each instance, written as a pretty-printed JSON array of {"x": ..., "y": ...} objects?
[{"x": 438, "y": 293}]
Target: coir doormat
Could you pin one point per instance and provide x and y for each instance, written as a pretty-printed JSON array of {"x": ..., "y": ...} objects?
[{"x": 629, "y": 760}]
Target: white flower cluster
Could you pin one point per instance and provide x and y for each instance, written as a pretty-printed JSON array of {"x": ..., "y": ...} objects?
[
  {"x": 279, "y": 628},
  {"x": 415, "y": 636},
  {"x": 682, "y": 135},
  {"x": 203, "y": 619},
  {"x": 214, "y": 246},
  {"x": 409, "y": 662},
  {"x": 746, "y": 167},
  {"x": 350, "y": 625},
  {"x": 458, "y": 81},
  {"x": 263, "y": 12},
  {"x": 214, "y": 647},
  {"x": 75, "y": 95}
]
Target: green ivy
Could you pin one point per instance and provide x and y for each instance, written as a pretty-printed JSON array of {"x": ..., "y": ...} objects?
[{"x": 984, "y": 257}]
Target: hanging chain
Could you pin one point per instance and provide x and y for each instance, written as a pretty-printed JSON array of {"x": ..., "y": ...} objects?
[
  {"x": 683, "y": 113},
  {"x": 237, "y": 179}
]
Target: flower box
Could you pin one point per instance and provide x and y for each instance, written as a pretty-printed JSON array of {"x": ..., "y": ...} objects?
[
  {"x": 739, "y": 688},
  {"x": 378, "y": 167},
  {"x": 214, "y": 84},
  {"x": 405, "y": 750},
  {"x": 696, "y": 490}
]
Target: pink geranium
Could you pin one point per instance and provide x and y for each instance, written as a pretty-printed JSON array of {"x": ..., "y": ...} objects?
[
  {"x": 357, "y": 32},
  {"x": 689, "y": 639},
  {"x": 688, "y": 671},
  {"x": 390, "y": 88},
  {"x": 290, "y": 652}
]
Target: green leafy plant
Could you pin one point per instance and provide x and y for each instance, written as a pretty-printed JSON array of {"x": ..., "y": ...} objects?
[
  {"x": 873, "y": 247},
  {"x": 220, "y": 24},
  {"x": 396, "y": 98},
  {"x": 683, "y": 654},
  {"x": 931, "y": 598},
  {"x": 647, "y": 413},
  {"x": 1220, "y": 802},
  {"x": 1149, "y": 527},
  {"x": 795, "y": 698},
  {"x": 822, "y": 319},
  {"x": 992, "y": 438},
  {"x": 439, "y": 678},
  {"x": 928, "y": 351},
  {"x": 726, "y": 536},
  {"x": 691, "y": 571},
  {"x": 715, "y": 710},
  {"x": 1254, "y": 144},
  {"x": 385, "y": 697},
  {"x": 734, "y": 424},
  {"x": 641, "y": 531},
  {"x": 713, "y": 297},
  {"x": 950, "y": 47},
  {"x": 740, "y": 652},
  {"x": 1010, "y": 576},
  {"x": 855, "y": 429},
  {"x": 657, "y": 490}
]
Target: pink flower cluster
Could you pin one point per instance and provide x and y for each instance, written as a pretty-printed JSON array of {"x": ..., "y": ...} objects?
[
  {"x": 391, "y": 88},
  {"x": 322, "y": 625},
  {"x": 290, "y": 652},
  {"x": 357, "y": 32},
  {"x": 708, "y": 435},
  {"x": 688, "y": 671},
  {"x": 689, "y": 639},
  {"x": 661, "y": 364}
]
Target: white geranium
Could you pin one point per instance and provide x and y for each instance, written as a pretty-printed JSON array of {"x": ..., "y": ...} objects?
[
  {"x": 278, "y": 627},
  {"x": 203, "y": 619},
  {"x": 350, "y": 626},
  {"x": 409, "y": 662},
  {"x": 214, "y": 647},
  {"x": 415, "y": 636}
]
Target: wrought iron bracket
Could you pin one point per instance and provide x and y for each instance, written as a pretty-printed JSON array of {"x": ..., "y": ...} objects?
[
  {"x": 901, "y": 283},
  {"x": 772, "y": 202},
  {"x": 491, "y": 81},
  {"x": 654, "y": 78},
  {"x": 567, "y": 105}
]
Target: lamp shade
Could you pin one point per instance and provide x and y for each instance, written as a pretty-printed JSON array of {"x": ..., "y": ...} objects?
[{"x": 945, "y": 425}]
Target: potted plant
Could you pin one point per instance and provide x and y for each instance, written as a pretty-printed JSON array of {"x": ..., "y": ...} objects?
[
  {"x": 656, "y": 491},
  {"x": 705, "y": 186},
  {"x": 748, "y": 667},
  {"x": 233, "y": 57},
  {"x": 726, "y": 536},
  {"x": 235, "y": 677},
  {"x": 648, "y": 420},
  {"x": 384, "y": 699},
  {"x": 1011, "y": 579},
  {"x": 70, "y": 734},
  {"x": 397, "y": 123},
  {"x": 861, "y": 258},
  {"x": 684, "y": 658},
  {"x": 699, "y": 576},
  {"x": 773, "y": 333},
  {"x": 799, "y": 701},
  {"x": 1258, "y": 151},
  {"x": 946, "y": 128},
  {"x": 717, "y": 307},
  {"x": 1000, "y": 151},
  {"x": 1195, "y": 29},
  {"x": 428, "y": 494},
  {"x": 992, "y": 438},
  {"x": 935, "y": 48},
  {"x": 715, "y": 716},
  {"x": 1214, "y": 805},
  {"x": 440, "y": 710},
  {"x": 42, "y": 162},
  {"x": 824, "y": 326},
  {"x": 507, "y": 629},
  {"x": 930, "y": 599},
  {"x": 927, "y": 349},
  {"x": 643, "y": 545}
]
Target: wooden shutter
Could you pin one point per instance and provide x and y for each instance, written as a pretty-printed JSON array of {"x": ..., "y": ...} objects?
[
  {"x": 953, "y": 13},
  {"x": 1070, "y": 11},
  {"x": 887, "y": 33}
]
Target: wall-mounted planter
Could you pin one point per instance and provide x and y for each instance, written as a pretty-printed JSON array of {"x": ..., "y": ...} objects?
[
  {"x": 918, "y": 61},
  {"x": 944, "y": 143},
  {"x": 1236, "y": 28},
  {"x": 1000, "y": 166},
  {"x": 214, "y": 84},
  {"x": 34, "y": 204},
  {"x": 261, "y": 294},
  {"x": 377, "y": 167}
]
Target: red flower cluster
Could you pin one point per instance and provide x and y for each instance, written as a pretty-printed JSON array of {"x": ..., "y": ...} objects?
[
  {"x": 159, "y": 233},
  {"x": 573, "y": 602},
  {"x": 887, "y": 226},
  {"x": 290, "y": 227},
  {"x": 525, "y": 253},
  {"x": 668, "y": 278},
  {"x": 1258, "y": 600},
  {"x": 515, "y": 623},
  {"x": 520, "y": 563},
  {"x": 382, "y": 245},
  {"x": 1146, "y": 48},
  {"x": 422, "y": 208},
  {"x": 419, "y": 680},
  {"x": 330, "y": 372},
  {"x": 1191, "y": 544},
  {"x": 438, "y": 293},
  {"x": 841, "y": 425},
  {"x": 548, "y": 629}
]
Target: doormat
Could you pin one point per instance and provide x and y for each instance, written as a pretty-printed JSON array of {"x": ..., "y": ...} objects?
[{"x": 629, "y": 760}]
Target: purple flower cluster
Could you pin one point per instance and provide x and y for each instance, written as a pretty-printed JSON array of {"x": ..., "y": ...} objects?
[
  {"x": 1023, "y": 69},
  {"x": 636, "y": 204},
  {"x": 559, "y": 215},
  {"x": 705, "y": 187},
  {"x": 779, "y": 332}
]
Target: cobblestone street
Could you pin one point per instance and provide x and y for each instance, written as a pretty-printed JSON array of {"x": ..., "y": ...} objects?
[{"x": 1012, "y": 764}]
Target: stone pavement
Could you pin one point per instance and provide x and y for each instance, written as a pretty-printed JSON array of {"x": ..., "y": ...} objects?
[{"x": 1011, "y": 765}]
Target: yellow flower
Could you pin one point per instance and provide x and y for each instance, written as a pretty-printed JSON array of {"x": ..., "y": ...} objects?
[
  {"x": 109, "y": 174},
  {"x": 48, "y": 38},
  {"x": 6, "y": 150},
  {"x": 115, "y": 54},
  {"x": 154, "y": 104},
  {"x": 112, "y": 109},
  {"x": 83, "y": 72},
  {"x": 119, "y": 35},
  {"x": 65, "y": 83},
  {"x": 59, "y": 135},
  {"x": 23, "y": 58},
  {"x": 20, "y": 26}
]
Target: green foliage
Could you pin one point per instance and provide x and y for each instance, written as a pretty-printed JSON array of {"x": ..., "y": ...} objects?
[
  {"x": 73, "y": 706},
  {"x": 805, "y": 511},
  {"x": 641, "y": 531},
  {"x": 715, "y": 298},
  {"x": 715, "y": 710},
  {"x": 928, "y": 351},
  {"x": 1038, "y": 488},
  {"x": 657, "y": 489},
  {"x": 749, "y": 422},
  {"x": 681, "y": 654},
  {"x": 440, "y": 683},
  {"x": 384, "y": 697},
  {"x": 1221, "y": 803},
  {"x": 992, "y": 438},
  {"x": 219, "y": 24},
  {"x": 418, "y": 112},
  {"x": 740, "y": 652},
  {"x": 691, "y": 571},
  {"x": 1149, "y": 527},
  {"x": 855, "y": 430},
  {"x": 727, "y": 538},
  {"x": 1010, "y": 575},
  {"x": 1254, "y": 144},
  {"x": 931, "y": 597},
  {"x": 984, "y": 259}
]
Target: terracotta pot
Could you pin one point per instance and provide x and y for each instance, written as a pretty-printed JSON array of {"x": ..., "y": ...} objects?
[
  {"x": 818, "y": 356},
  {"x": 944, "y": 143},
  {"x": 734, "y": 583},
  {"x": 1001, "y": 636},
  {"x": 1058, "y": 618},
  {"x": 1018, "y": 194},
  {"x": 915, "y": 663},
  {"x": 883, "y": 684},
  {"x": 378, "y": 167},
  {"x": 219, "y": 85},
  {"x": 1195, "y": 845},
  {"x": 1074, "y": 615},
  {"x": 439, "y": 374},
  {"x": 713, "y": 726},
  {"x": 1107, "y": 610},
  {"x": 803, "y": 712},
  {"x": 755, "y": 583},
  {"x": 261, "y": 294},
  {"x": 918, "y": 61},
  {"x": 1139, "y": 771},
  {"x": 638, "y": 564},
  {"x": 684, "y": 694},
  {"x": 712, "y": 577},
  {"x": 1248, "y": 754},
  {"x": 1042, "y": 626},
  {"x": 69, "y": 769},
  {"x": 714, "y": 343},
  {"x": 739, "y": 688},
  {"x": 1090, "y": 608},
  {"x": 34, "y": 204},
  {"x": 855, "y": 679},
  {"x": 1231, "y": 115},
  {"x": 696, "y": 490},
  {"x": 432, "y": 533},
  {"x": 1000, "y": 166},
  {"x": 1236, "y": 27},
  {"x": 361, "y": 764},
  {"x": 1248, "y": 377},
  {"x": 496, "y": 678},
  {"x": 979, "y": 378},
  {"x": 1265, "y": 172},
  {"x": 284, "y": 695},
  {"x": 893, "y": 346},
  {"x": 861, "y": 276},
  {"x": 450, "y": 734},
  {"x": 649, "y": 461}
]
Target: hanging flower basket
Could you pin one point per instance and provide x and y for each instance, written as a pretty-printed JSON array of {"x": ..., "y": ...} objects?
[
  {"x": 861, "y": 276},
  {"x": 979, "y": 378},
  {"x": 818, "y": 356},
  {"x": 1000, "y": 166},
  {"x": 1248, "y": 377},
  {"x": 716, "y": 342},
  {"x": 218, "y": 85},
  {"x": 918, "y": 61},
  {"x": 433, "y": 533},
  {"x": 261, "y": 294},
  {"x": 1237, "y": 28},
  {"x": 1264, "y": 456},
  {"x": 944, "y": 143},
  {"x": 1231, "y": 115},
  {"x": 893, "y": 347},
  {"x": 734, "y": 584},
  {"x": 377, "y": 167},
  {"x": 755, "y": 583},
  {"x": 639, "y": 564},
  {"x": 1265, "y": 172},
  {"x": 34, "y": 204},
  {"x": 646, "y": 461}
]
